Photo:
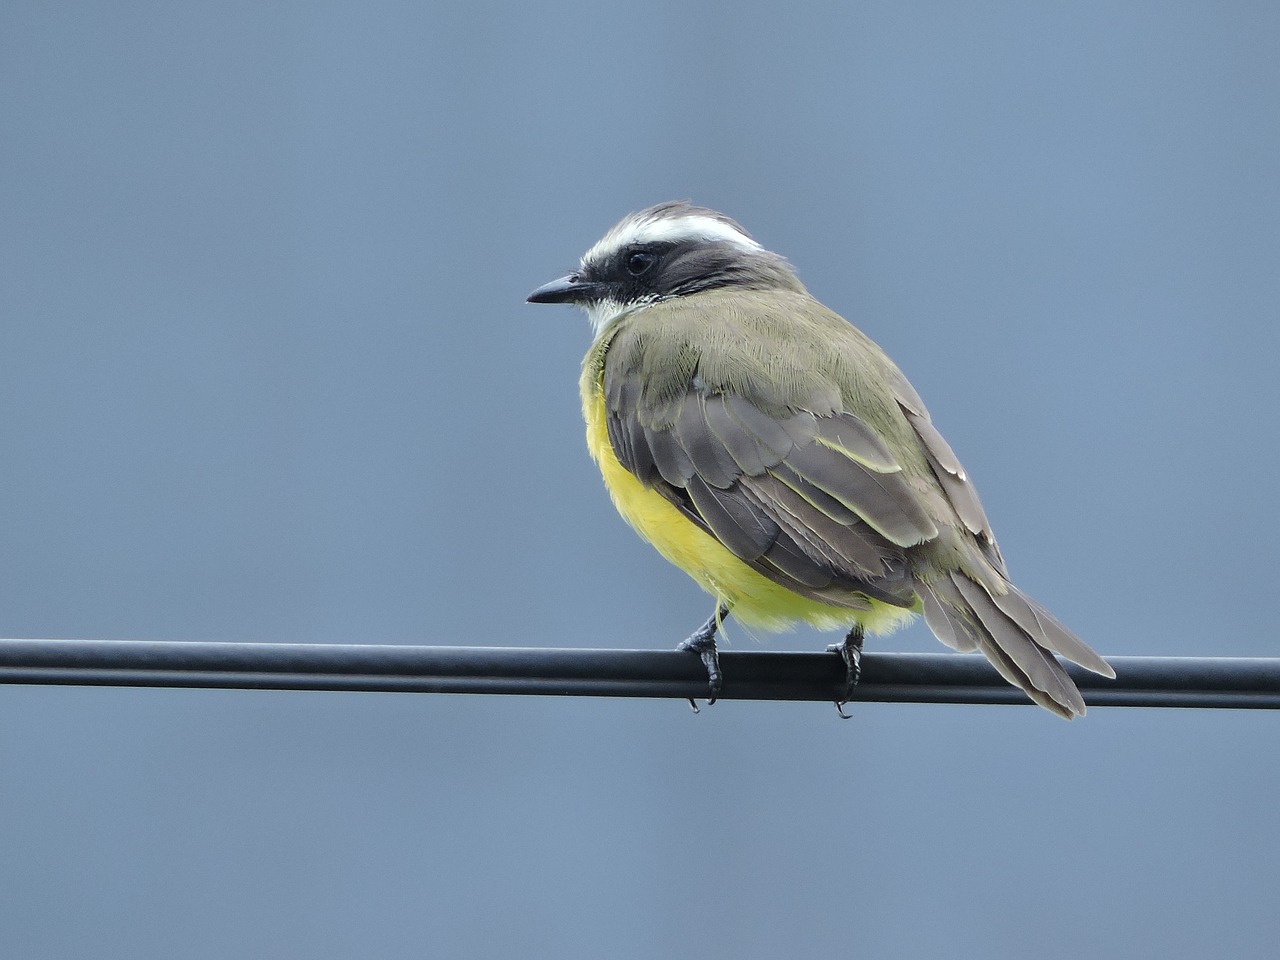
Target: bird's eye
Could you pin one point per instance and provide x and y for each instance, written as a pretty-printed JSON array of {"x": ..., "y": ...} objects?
[{"x": 639, "y": 262}]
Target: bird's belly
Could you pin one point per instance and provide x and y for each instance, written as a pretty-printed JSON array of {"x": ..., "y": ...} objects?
[{"x": 756, "y": 600}]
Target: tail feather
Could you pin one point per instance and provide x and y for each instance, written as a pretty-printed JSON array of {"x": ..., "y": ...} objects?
[
  {"x": 1026, "y": 651},
  {"x": 1009, "y": 670},
  {"x": 1015, "y": 633},
  {"x": 943, "y": 606},
  {"x": 1049, "y": 632}
]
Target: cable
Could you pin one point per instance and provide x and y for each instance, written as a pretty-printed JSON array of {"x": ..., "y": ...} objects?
[{"x": 886, "y": 677}]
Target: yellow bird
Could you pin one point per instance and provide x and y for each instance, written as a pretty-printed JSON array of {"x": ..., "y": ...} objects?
[{"x": 773, "y": 452}]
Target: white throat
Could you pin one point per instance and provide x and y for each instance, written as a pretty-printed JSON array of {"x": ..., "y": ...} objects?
[{"x": 603, "y": 314}]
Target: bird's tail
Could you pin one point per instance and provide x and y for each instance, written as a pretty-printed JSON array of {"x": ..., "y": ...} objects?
[{"x": 1015, "y": 633}]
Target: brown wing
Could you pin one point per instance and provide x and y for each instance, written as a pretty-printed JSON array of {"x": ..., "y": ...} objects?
[
  {"x": 815, "y": 503},
  {"x": 950, "y": 474}
]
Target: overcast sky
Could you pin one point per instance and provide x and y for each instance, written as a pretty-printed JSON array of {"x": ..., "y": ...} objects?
[{"x": 266, "y": 373}]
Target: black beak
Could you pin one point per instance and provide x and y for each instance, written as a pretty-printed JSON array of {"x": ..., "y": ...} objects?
[{"x": 570, "y": 289}]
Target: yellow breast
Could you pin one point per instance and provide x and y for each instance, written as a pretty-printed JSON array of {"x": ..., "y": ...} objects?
[{"x": 756, "y": 600}]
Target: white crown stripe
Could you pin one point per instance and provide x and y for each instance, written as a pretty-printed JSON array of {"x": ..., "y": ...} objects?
[{"x": 668, "y": 230}]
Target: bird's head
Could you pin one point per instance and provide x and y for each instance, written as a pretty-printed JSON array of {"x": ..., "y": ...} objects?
[{"x": 671, "y": 250}]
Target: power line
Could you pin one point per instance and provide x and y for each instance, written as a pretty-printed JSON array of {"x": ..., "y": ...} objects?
[{"x": 1221, "y": 682}]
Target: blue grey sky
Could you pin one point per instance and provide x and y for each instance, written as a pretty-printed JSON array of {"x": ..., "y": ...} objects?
[{"x": 266, "y": 373}]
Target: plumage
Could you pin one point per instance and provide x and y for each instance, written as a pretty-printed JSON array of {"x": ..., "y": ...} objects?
[
  {"x": 791, "y": 564},
  {"x": 747, "y": 452},
  {"x": 712, "y": 462},
  {"x": 733, "y": 519},
  {"x": 672, "y": 462},
  {"x": 818, "y": 498},
  {"x": 848, "y": 435},
  {"x": 772, "y": 451},
  {"x": 944, "y": 612},
  {"x": 779, "y": 436},
  {"x": 1038, "y": 670},
  {"x": 964, "y": 499},
  {"x": 884, "y": 500},
  {"x": 1039, "y": 623},
  {"x": 858, "y": 558}
]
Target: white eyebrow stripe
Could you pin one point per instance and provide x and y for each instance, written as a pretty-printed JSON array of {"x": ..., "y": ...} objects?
[{"x": 668, "y": 230}]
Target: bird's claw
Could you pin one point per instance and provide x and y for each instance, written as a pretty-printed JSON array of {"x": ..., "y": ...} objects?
[
  {"x": 851, "y": 653},
  {"x": 703, "y": 643},
  {"x": 705, "y": 647}
]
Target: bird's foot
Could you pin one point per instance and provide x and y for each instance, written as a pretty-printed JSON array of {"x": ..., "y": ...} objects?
[
  {"x": 851, "y": 653},
  {"x": 703, "y": 643}
]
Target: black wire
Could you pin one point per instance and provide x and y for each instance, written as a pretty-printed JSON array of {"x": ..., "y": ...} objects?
[{"x": 887, "y": 677}]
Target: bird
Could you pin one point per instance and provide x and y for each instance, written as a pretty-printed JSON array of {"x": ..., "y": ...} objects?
[{"x": 772, "y": 451}]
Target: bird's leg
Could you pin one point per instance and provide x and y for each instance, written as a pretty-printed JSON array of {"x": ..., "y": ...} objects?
[
  {"x": 851, "y": 653},
  {"x": 703, "y": 643}
]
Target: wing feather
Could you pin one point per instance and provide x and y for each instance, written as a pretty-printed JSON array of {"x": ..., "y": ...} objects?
[
  {"x": 793, "y": 496},
  {"x": 789, "y": 564},
  {"x": 853, "y": 548},
  {"x": 711, "y": 461},
  {"x": 733, "y": 519},
  {"x": 747, "y": 452},
  {"x": 955, "y": 483},
  {"x": 771, "y": 435},
  {"x": 669, "y": 456},
  {"x": 884, "y": 500},
  {"x": 852, "y": 437},
  {"x": 820, "y": 499},
  {"x": 626, "y": 435}
]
